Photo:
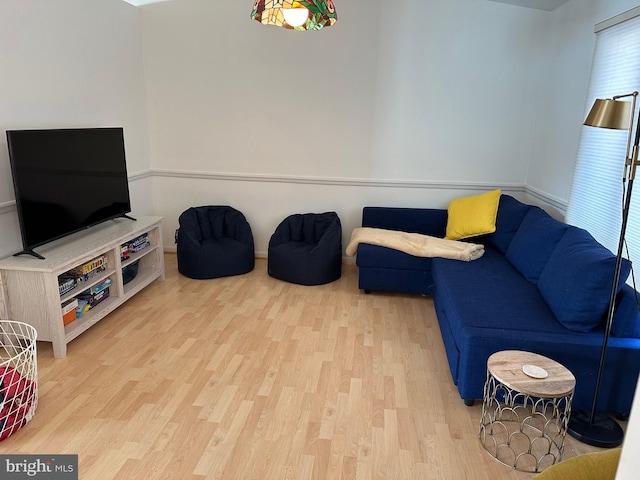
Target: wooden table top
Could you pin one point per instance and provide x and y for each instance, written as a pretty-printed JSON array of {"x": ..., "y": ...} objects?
[{"x": 506, "y": 367}]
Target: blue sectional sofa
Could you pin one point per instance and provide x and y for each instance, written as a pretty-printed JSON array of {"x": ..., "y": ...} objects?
[{"x": 541, "y": 286}]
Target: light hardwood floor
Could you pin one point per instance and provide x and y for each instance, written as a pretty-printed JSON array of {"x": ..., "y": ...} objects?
[{"x": 250, "y": 377}]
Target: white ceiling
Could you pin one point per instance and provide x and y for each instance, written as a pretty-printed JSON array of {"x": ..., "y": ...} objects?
[
  {"x": 547, "y": 5},
  {"x": 137, "y": 3}
]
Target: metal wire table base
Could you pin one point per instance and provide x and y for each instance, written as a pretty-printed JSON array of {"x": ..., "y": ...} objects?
[{"x": 521, "y": 431}]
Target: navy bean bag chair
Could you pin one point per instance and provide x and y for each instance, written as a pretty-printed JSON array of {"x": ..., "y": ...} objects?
[
  {"x": 213, "y": 242},
  {"x": 307, "y": 249}
]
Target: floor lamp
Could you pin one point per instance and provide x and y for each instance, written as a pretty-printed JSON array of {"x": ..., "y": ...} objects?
[{"x": 593, "y": 428}]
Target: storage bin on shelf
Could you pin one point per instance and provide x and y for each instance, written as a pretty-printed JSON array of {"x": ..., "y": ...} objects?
[
  {"x": 18, "y": 376},
  {"x": 129, "y": 272}
]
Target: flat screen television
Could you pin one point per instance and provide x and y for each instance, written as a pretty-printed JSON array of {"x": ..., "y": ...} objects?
[{"x": 66, "y": 180}]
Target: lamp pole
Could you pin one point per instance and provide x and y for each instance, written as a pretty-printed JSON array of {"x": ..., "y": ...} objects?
[{"x": 593, "y": 428}]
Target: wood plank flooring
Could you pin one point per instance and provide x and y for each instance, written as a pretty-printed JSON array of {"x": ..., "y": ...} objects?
[{"x": 250, "y": 377}]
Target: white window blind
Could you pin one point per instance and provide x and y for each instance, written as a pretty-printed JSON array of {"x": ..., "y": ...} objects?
[{"x": 595, "y": 203}]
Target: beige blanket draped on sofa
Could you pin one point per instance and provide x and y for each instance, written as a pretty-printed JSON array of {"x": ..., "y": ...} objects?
[{"x": 414, "y": 244}]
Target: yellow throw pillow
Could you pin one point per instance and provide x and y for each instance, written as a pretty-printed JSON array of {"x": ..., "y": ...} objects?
[{"x": 473, "y": 216}]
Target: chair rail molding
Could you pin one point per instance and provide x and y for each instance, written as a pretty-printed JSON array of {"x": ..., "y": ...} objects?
[
  {"x": 7, "y": 207},
  {"x": 560, "y": 204},
  {"x": 556, "y": 202},
  {"x": 336, "y": 181}
]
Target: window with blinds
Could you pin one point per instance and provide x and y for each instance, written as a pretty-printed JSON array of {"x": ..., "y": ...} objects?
[{"x": 595, "y": 203}]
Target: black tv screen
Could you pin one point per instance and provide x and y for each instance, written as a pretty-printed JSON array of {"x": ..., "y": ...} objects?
[{"x": 66, "y": 180}]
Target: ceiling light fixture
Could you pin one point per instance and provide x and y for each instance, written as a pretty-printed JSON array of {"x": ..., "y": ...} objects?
[
  {"x": 295, "y": 14},
  {"x": 296, "y": 17}
]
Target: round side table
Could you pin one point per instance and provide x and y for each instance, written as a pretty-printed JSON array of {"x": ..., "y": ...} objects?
[{"x": 526, "y": 409}]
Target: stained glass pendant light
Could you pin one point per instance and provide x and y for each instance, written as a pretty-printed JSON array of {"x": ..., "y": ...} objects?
[{"x": 295, "y": 14}]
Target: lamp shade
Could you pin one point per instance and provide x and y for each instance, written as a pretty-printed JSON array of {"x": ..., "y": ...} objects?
[
  {"x": 609, "y": 114},
  {"x": 320, "y": 13}
]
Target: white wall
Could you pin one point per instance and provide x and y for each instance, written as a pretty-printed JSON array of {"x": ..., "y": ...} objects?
[
  {"x": 449, "y": 102},
  {"x": 426, "y": 97},
  {"x": 71, "y": 63},
  {"x": 561, "y": 93}
]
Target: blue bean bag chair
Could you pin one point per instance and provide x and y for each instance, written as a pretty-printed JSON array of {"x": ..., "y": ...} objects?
[
  {"x": 307, "y": 249},
  {"x": 213, "y": 242}
]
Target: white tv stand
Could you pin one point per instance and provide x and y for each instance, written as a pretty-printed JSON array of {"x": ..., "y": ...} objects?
[{"x": 30, "y": 286}]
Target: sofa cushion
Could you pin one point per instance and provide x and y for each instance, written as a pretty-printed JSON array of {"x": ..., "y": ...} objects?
[
  {"x": 490, "y": 293},
  {"x": 534, "y": 242},
  {"x": 626, "y": 322},
  {"x": 376, "y": 256},
  {"x": 428, "y": 221},
  {"x": 472, "y": 216},
  {"x": 511, "y": 212},
  {"x": 576, "y": 283}
]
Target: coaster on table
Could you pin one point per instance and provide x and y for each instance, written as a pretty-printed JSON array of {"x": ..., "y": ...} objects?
[{"x": 534, "y": 371}]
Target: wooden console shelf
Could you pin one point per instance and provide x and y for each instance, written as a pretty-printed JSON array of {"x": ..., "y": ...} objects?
[{"x": 30, "y": 286}]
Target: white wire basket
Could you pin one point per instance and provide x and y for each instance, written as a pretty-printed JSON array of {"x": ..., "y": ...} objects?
[{"x": 18, "y": 376}]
